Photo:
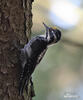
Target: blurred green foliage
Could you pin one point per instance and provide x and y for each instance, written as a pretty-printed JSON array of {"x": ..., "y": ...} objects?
[{"x": 62, "y": 65}]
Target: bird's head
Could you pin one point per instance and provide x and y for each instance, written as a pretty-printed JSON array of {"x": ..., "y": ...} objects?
[{"x": 53, "y": 35}]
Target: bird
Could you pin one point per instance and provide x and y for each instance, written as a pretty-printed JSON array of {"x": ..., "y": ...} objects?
[{"x": 33, "y": 52}]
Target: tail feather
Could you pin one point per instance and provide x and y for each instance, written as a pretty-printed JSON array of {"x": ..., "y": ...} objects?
[{"x": 21, "y": 86}]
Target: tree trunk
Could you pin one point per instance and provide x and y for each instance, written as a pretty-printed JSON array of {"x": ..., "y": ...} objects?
[{"x": 15, "y": 25}]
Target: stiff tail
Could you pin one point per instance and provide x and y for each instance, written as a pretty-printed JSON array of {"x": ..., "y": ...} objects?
[
  {"x": 21, "y": 86},
  {"x": 23, "y": 83}
]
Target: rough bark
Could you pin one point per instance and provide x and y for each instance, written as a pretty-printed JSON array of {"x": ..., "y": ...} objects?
[{"x": 15, "y": 25}]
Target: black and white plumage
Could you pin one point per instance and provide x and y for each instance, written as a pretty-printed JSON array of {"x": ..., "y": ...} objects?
[{"x": 33, "y": 52}]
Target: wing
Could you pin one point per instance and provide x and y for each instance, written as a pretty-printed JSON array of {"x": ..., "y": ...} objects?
[
  {"x": 26, "y": 71},
  {"x": 23, "y": 68},
  {"x": 22, "y": 58},
  {"x": 24, "y": 77}
]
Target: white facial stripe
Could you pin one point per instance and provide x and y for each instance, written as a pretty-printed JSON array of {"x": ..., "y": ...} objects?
[
  {"x": 52, "y": 31},
  {"x": 54, "y": 34},
  {"x": 42, "y": 36}
]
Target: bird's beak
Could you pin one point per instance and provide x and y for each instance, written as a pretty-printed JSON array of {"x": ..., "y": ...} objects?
[{"x": 47, "y": 28}]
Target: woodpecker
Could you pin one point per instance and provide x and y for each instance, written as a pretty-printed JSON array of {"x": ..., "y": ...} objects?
[{"x": 33, "y": 52}]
